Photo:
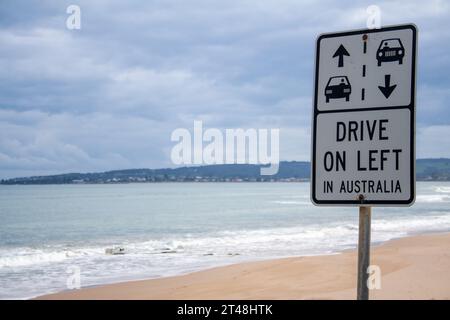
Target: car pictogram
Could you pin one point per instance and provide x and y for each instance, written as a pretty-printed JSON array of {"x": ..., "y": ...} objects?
[
  {"x": 338, "y": 87},
  {"x": 390, "y": 50}
]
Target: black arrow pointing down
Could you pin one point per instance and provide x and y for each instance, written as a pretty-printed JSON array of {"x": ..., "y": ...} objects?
[{"x": 387, "y": 89}]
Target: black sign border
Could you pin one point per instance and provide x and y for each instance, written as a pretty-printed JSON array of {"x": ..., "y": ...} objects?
[{"x": 411, "y": 107}]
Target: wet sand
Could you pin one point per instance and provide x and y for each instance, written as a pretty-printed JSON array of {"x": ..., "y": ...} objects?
[{"x": 411, "y": 268}]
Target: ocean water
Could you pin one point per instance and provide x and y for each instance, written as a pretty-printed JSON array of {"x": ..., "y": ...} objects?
[{"x": 174, "y": 228}]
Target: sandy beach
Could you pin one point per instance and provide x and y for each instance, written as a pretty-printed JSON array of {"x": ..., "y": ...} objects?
[{"x": 412, "y": 268}]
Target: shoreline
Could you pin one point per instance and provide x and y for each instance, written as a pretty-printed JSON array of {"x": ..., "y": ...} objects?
[
  {"x": 413, "y": 267},
  {"x": 173, "y": 182}
]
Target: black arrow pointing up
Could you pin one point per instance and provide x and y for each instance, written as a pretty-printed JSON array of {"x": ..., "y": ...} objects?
[
  {"x": 341, "y": 52},
  {"x": 387, "y": 89}
]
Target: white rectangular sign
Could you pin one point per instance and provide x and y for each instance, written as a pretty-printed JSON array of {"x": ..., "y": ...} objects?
[{"x": 363, "y": 133}]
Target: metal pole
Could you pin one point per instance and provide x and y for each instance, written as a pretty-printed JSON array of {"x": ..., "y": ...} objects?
[{"x": 363, "y": 252}]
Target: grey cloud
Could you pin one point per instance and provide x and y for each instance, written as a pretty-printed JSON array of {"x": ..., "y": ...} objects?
[{"x": 108, "y": 96}]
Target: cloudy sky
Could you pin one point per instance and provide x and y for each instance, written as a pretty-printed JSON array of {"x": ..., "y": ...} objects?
[{"x": 109, "y": 95}]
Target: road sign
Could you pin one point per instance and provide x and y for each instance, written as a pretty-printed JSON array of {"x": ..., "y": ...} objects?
[{"x": 363, "y": 133}]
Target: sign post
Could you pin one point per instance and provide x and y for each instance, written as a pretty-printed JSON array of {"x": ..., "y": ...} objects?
[
  {"x": 363, "y": 130},
  {"x": 362, "y": 291}
]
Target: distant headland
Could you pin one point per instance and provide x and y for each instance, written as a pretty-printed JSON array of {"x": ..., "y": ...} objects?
[{"x": 289, "y": 171}]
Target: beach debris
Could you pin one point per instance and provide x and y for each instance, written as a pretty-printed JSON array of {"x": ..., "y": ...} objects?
[
  {"x": 115, "y": 250},
  {"x": 169, "y": 251}
]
